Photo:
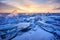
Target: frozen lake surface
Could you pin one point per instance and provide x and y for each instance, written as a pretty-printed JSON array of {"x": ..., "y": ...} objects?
[{"x": 30, "y": 26}]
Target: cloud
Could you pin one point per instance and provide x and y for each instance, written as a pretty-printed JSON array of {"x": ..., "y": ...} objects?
[
  {"x": 40, "y": 1},
  {"x": 17, "y": 3},
  {"x": 57, "y": 8},
  {"x": 54, "y": 1},
  {"x": 40, "y": 5},
  {"x": 5, "y": 6},
  {"x": 57, "y": 1}
]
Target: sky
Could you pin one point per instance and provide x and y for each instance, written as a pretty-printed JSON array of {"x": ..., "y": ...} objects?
[{"x": 30, "y": 6}]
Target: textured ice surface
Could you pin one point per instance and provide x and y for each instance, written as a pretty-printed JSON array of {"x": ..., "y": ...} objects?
[
  {"x": 39, "y": 34},
  {"x": 30, "y": 27}
]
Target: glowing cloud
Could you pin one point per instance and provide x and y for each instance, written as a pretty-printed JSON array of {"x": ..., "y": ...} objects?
[{"x": 31, "y": 6}]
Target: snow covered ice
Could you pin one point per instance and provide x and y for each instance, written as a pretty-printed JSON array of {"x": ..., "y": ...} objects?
[{"x": 30, "y": 27}]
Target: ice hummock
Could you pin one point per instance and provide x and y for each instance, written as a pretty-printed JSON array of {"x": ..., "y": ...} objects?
[{"x": 30, "y": 27}]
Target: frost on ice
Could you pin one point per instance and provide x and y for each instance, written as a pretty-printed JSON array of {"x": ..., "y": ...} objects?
[{"x": 30, "y": 27}]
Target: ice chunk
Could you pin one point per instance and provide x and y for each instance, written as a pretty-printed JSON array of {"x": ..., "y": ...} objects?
[{"x": 23, "y": 25}]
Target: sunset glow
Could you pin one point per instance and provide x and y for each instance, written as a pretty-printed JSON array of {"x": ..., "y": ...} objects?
[{"x": 29, "y": 6}]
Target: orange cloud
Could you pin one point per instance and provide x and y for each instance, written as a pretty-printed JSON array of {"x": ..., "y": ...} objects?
[{"x": 28, "y": 6}]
